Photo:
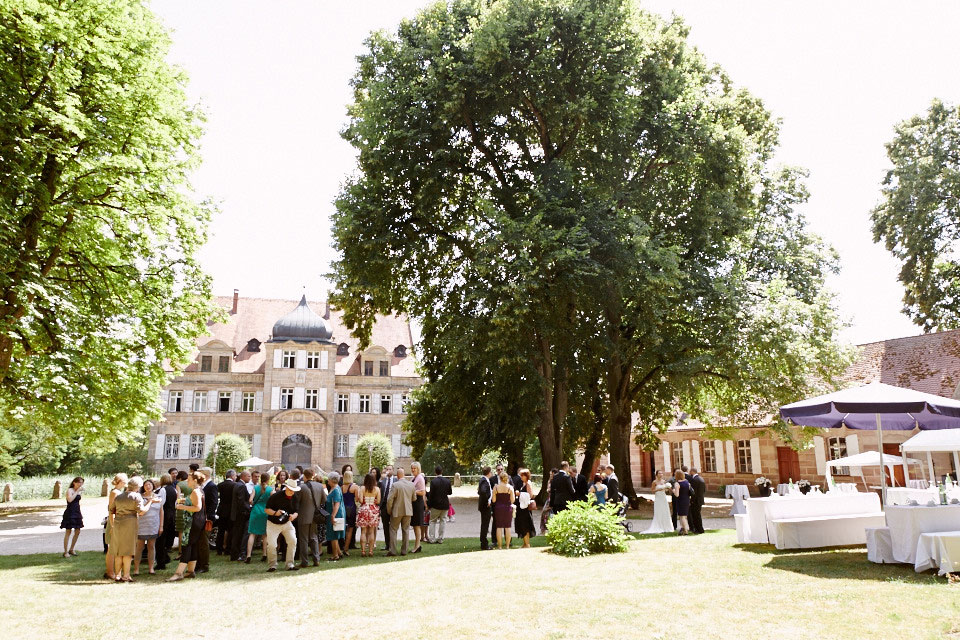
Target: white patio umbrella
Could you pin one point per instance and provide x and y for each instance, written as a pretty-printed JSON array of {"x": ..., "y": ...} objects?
[
  {"x": 869, "y": 459},
  {"x": 253, "y": 462},
  {"x": 862, "y": 408}
]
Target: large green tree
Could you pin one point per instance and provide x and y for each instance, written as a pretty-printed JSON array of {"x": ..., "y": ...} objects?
[
  {"x": 918, "y": 218},
  {"x": 99, "y": 286},
  {"x": 583, "y": 213}
]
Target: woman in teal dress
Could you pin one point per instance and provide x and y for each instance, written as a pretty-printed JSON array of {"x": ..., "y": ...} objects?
[
  {"x": 336, "y": 509},
  {"x": 257, "y": 526}
]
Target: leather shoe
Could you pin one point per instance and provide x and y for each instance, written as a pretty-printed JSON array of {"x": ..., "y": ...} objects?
[
  {"x": 271, "y": 569},
  {"x": 391, "y": 554},
  {"x": 203, "y": 570}
]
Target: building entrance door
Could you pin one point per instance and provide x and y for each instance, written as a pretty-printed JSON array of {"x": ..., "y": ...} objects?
[
  {"x": 893, "y": 449},
  {"x": 788, "y": 461},
  {"x": 296, "y": 451}
]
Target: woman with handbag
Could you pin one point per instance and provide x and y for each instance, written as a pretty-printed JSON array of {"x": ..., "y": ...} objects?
[
  {"x": 525, "y": 508},
  {"x": 257, "y": 525},
  {"x": 368, "y": 514},
  {"x": 336, "y": 523}
]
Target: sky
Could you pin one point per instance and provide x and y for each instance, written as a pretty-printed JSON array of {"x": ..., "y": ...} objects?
[{"x": 273, "y": 79}]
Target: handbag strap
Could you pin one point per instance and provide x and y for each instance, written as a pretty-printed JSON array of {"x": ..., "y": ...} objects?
[{"x": 313, "y": 497}]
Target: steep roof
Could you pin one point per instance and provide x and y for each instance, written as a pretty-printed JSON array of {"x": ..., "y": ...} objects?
[
  {"x": 928, "y": 363},
  {"x": 255, "y": 318}
]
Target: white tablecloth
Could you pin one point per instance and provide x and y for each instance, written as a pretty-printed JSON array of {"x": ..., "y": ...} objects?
[
  {"x": 917, "y": 484},
  {"x": 760, "y": 511},
  {"x": 939, "y": 551},
  {"x": 907, "y": 523},
  {"x": 783, "y": 489},
  {"x": 899, "y": 495},
  {"x": 739, "y": 493}
]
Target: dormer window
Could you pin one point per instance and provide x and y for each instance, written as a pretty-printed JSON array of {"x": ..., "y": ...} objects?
[
  {"x": 400, "y": 351},
  {"x": 206, "y": 363},
  {"x": 253, "y": 345},
  {"x": 384, "y": 368},
  {"x": 343, "y": 349}
]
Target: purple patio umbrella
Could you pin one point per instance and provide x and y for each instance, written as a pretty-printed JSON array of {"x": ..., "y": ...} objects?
[{"x": 862, "y": 407}]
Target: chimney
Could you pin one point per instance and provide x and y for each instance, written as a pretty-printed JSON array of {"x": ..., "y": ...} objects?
[
  {"x": 326, "y": 311},
  {"x": 236, "y": 299}
]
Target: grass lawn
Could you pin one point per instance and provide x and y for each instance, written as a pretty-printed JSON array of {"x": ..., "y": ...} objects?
[{"x": 728, "y": 591}]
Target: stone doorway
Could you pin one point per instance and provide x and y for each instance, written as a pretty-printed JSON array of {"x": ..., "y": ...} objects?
[{"x": 296, "y": 450}]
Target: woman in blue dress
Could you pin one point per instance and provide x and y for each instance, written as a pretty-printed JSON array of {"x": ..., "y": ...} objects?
[
  {"x": 681, "y": 501},
  {"x": 336, "y": 509},
  {"x": 257, "y": 526},
  {"x": 72, "y": 518}
]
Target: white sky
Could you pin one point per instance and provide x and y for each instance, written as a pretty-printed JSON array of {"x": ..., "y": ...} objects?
[{"x": 273, "y": 79}]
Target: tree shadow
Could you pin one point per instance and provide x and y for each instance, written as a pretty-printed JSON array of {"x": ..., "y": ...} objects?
[{"x": 846, "y": 566}]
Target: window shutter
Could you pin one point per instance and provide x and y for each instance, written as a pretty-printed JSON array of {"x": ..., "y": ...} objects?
[
  {"x": 275, "y": 398},
  {"x": 397, "y": 399},
  {"x": 185, "y": 446},
  {"x": 376, "y": 404},
  {"x": 256, "y": 444},
  {"x": 298, "y": 396},
  {"x": 853, "y": 448},
  {"x": 207, "y": 444},
  {"x": 159, "y": 451},
  {"x": 354, "y": 403},
  {"x": 277, "y": 357},
  {"x": 258, "y": 401},
  {"x": 324, "y": 359},
  {"x": 755, "y": 455},
  {"x": 395, "y": 442},
  {"x": 685, "y": 450},
  {"x": 322, "y": 401},
  {"x": 188, "y": 400},
  {"x": 353, "y": 445},
  {"x": 212, "y": 401},
  {"x": 164, "y": 400},
  {"x": 235, "y": 401},
  {"x": 301, "y": 358},
  {"x": 731, "y": 456},
  {"x": 820, "y": 454},
  {"x": 666, "y": 456},
  {"x": 718, "y": 448},
  {"x": 695, "y": 455}
]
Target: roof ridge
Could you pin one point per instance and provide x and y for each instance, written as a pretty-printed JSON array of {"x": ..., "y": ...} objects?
[{"x": 920, "y": 335}]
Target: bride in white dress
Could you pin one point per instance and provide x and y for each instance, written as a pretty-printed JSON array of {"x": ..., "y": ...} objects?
[{"x": 661, "y": 508}]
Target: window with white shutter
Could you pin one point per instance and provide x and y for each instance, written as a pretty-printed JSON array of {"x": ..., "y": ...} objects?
[
  {"x": 709, "y": 456},
  {"x": 364, "y": 406},
  {"x": 248, "y": 402},
  {"x": 171, "y": 447},
  {"x": 323, "y": 400},
  {"x": 184, "y": 446},
  {"x": 298, "y": 398},
  {"x": 258, "y": 402},
  {"x": 354, "y": 403},
  {"x": 200, "y": 401},
  {"x": 395, "y": 442},
  {"x": 256, "y": 444},
  {"x": 404, "y": 402},
  {"x": 311, "y": 399},
  {"x": 405, "y": 449},
  {"x": 755, "y": 456},
  {"x": 836, "y": 449},
  {"x": 324, "y": 360},
  {"x": 665, "y": 452},
  {"x": 286, "y": 397},
  {"x": 207, "y": 444},
  {"x": 343, "y": 403},
  {"x": 175, "y": 404},
  {"x": 164, "y": 399},
  {"x": 188, "y": 401},
  {"x": 275, "y": 398},
  {"x": 289, "y": 360},
  {"x": 341, "y": 446},
  {"x": 212, "y": 401},
  {"x": 278, "y": 358},
  {"x": 375, "y": 408},
  {"x": 224, "y": 399},
  {"x": 385, "y": 403},
  {"x": 396, "y": 403},
  {"x": 196, "y": 445},
  {"x": 158, "y": 451},
  {"x": 744, "y": 462},
  {"x": 721, "y": 463},
  {"x": 353, "y": 444},
  {"x": 686, "y": 454},
  {"x": 695, "y": 454},
  {"x": 730, "y": 456},
  {"x": 301, "y": 359},
  {"x": 313, "y": 360},
  {"x": 235, "y": 401}
]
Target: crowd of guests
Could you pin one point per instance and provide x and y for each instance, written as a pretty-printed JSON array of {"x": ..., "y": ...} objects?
[
  {"x": 506, "y": 500},
  {"x": 297, "y": 516}
]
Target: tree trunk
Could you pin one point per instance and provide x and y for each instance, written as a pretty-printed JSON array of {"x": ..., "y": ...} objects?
[
  {"x": 591, "y": 447},
  {"x": 618, "y": 419},
  {"x": 552, "y": 414}
]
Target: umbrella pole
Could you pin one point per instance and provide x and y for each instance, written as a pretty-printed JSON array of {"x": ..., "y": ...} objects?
[
  {"x": 883, "y": 470},
  {"x": 930, "y": 466}
]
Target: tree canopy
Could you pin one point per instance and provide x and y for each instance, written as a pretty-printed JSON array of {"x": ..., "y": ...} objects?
[
  {"x": 99, "y": 285},
  {"x": 918, "y": 218},
  {"x": 584, "y": 215}
]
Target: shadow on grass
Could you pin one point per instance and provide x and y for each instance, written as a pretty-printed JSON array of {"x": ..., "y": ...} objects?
[
  {"x": 837, "y": 565},
  {"x": 87, "y": 568},
  {"x": 771, "y": 550}
]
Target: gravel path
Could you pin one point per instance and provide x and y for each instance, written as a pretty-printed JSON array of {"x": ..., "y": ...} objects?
[{"x": 36, "y": 528}]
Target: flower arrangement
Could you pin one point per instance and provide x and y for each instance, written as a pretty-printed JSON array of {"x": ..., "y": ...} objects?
[
  {"x": 761, "y": 482},
  {"x": 803, "y": 483}
]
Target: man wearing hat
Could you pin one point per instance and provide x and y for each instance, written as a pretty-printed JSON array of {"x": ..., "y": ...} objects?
[{"x": 281, "y": 514}]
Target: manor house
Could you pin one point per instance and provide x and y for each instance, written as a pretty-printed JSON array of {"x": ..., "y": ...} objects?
[{"x": 289, "y": 379}]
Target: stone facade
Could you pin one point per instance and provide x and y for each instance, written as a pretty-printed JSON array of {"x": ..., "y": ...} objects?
[{"x": 296, "y": 401}]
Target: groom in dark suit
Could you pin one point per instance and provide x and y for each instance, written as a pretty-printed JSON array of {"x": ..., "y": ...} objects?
[
  {"x": 698, "y": 488},
  {"x": 484, "y": 492},
  {"x": 561, "y": 489}
]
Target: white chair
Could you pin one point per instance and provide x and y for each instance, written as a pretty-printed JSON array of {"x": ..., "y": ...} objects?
[
  {"x": 879, "y": 545},
  {"x": 743, "y": 528}
]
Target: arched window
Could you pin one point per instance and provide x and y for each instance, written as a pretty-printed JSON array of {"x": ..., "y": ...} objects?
[
  {"x": 343, "y": 349},
  {"x": 400, "y": 351}
]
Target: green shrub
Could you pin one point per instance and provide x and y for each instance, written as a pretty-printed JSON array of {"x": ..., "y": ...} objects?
[
  {"x": 380, "y": 450},
  {"x": 231, "y": 449},
  {"x": 583, "y": 528}
]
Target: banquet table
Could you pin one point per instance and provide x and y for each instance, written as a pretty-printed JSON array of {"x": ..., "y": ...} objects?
[
  {"x": 739, "y": 493},
  {"x": 901, "y": 496},
  {"x": 918, "y": 484},
  {"x": 907, "y": 523},
  {"x": 762, "y": 511},
  {"x": 940, "y": 551},
  {"x": 783, "y": 489}
]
